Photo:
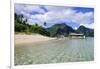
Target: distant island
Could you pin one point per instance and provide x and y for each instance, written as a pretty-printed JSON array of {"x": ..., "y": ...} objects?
[{"x": 21, "y": 26}]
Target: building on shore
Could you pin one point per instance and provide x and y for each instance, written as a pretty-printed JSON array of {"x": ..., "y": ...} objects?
[{"x": 75, "y": 35}]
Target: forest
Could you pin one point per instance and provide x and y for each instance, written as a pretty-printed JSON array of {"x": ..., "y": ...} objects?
[{"x": 22, "y": 26}]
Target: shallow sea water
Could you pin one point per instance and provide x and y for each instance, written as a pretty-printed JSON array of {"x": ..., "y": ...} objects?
[{"x": 55, "y": 51}]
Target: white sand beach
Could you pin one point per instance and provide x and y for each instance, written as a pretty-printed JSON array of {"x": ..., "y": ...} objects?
[{"x": 33, "y": 38}]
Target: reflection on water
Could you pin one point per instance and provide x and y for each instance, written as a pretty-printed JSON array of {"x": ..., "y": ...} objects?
[{"x": 55, "y": 51}]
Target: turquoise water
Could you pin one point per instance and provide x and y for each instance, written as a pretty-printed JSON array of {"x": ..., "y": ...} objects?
[{"x": 55, "y": 51}]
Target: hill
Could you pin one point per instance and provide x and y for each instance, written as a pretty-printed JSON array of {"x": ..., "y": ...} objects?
[
  {"x": 60, "y": 29},
  {"x": 86, "y": 31}
]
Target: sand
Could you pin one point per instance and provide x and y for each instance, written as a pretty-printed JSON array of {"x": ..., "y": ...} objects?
[{"x": 33, "y": 38}]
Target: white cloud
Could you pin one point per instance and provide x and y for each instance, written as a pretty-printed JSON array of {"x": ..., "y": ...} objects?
[
  {"x": 28, "y": 8},
  {"x": 31, "y": 9},
  {"x": 55, "y": 15},
  {"x": 88, "y": 25},
  {"x": 69, "y": 15}
]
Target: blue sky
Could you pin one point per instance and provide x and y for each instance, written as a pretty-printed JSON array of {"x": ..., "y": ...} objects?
[{"x": 72, "y": 16}]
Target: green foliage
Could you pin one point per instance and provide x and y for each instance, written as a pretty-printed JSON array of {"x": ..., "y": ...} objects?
[
  {"x": 86, "y": 31},
  {"x": 60, "y": 29},
  {"x": 22, "y": 26}
]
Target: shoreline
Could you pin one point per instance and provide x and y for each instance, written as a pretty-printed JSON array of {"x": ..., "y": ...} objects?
[{"x": 32, "y": 38}]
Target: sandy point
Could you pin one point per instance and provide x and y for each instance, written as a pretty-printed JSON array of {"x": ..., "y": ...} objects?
[{"x": 32, "y": 38}]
